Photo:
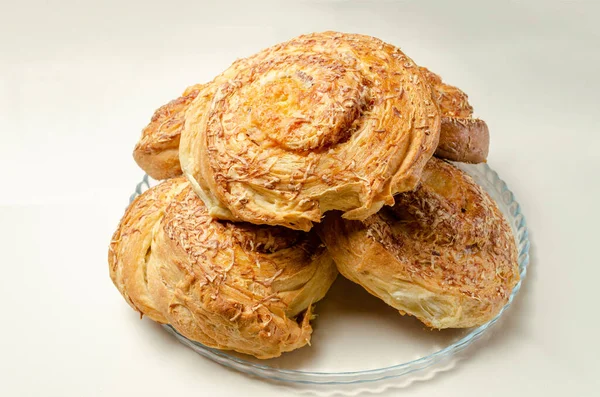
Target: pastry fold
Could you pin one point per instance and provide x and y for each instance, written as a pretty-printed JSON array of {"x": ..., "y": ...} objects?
[
  {"x": 443, "y": 253},
  {"x": 230, "y": 286},
  {"x": 325, "y": 121}
]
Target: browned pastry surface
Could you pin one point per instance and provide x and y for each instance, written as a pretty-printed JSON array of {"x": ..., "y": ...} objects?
[
  {"x": 462, "y": 137},
  {"x": 157, "y": 151},
  {"x": 133, "y": 240},
  {"x": 466, "y": 140},
  {"x": 231, "y": 286},
  {"x": 452, "y": 101},
  {"x": 443, "y": 253},
  {"x": 324, "y": 121}
]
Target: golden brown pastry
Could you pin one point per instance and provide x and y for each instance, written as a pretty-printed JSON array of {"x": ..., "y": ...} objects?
[
  {"x": 452, "y": 101},
  {"x": 462, "y": 137},
  {"x": 325, "y": 121},
  {"x": 442, "y": 253},
  {"x": 157, "y": 151},
  {"x": 465, "y": 139},
  {"x": 230, "y": 286}
]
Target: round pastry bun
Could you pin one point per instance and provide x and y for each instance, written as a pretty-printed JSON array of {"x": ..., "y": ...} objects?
[
  {"x": 443, "y": 253},
  {"x": 230, "y": 286},
  {"x": 325, "y": 121}
]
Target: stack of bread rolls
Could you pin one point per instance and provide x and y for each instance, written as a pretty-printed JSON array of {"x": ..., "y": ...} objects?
[{"x": 326, "y": 153}]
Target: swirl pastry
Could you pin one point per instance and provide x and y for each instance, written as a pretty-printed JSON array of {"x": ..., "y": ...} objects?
[
  {"x": 230, "y": 286},
  {"x": 442, "y": 253},
  {"x": 462, "y": 137},
  {"x": 324, "y": 121}
]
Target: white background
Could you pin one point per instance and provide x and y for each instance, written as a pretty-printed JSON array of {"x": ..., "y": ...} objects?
[{"x": 79, "y": 81}]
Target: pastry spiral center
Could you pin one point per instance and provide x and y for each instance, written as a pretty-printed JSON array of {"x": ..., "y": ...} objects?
[{"x": 304, "y": 106}]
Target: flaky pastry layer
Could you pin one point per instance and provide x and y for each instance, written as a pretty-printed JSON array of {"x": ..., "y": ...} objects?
[
  {"x": 230, "y": 286},
  {"x": 443, "y": 253}
]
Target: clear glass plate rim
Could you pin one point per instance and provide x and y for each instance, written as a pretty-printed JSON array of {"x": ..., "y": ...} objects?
[{"x": 313, "y": 377}]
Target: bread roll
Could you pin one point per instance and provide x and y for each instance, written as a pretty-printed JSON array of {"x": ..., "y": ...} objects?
[
  {"x": 443, "y": 253},
  {"x": 326, "y": 121},
  {"x": 230, "y": 286}
]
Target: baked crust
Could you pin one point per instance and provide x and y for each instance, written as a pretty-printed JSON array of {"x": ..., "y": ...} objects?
[
  {"x": 462, "y": 137},
  {"x": 466, "y": 140},
  {"x": 133, "y": 239},
  {"x": 443, "y": 253},
  {"x": 324, "y": 121},
  {"x": 157, "y": 151},
  {"x": 452, "y": 101},
  {"x": 230, "y": 286}
]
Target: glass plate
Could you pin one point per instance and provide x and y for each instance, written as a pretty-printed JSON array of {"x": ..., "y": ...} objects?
[{"x": 357, "y": 338}]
